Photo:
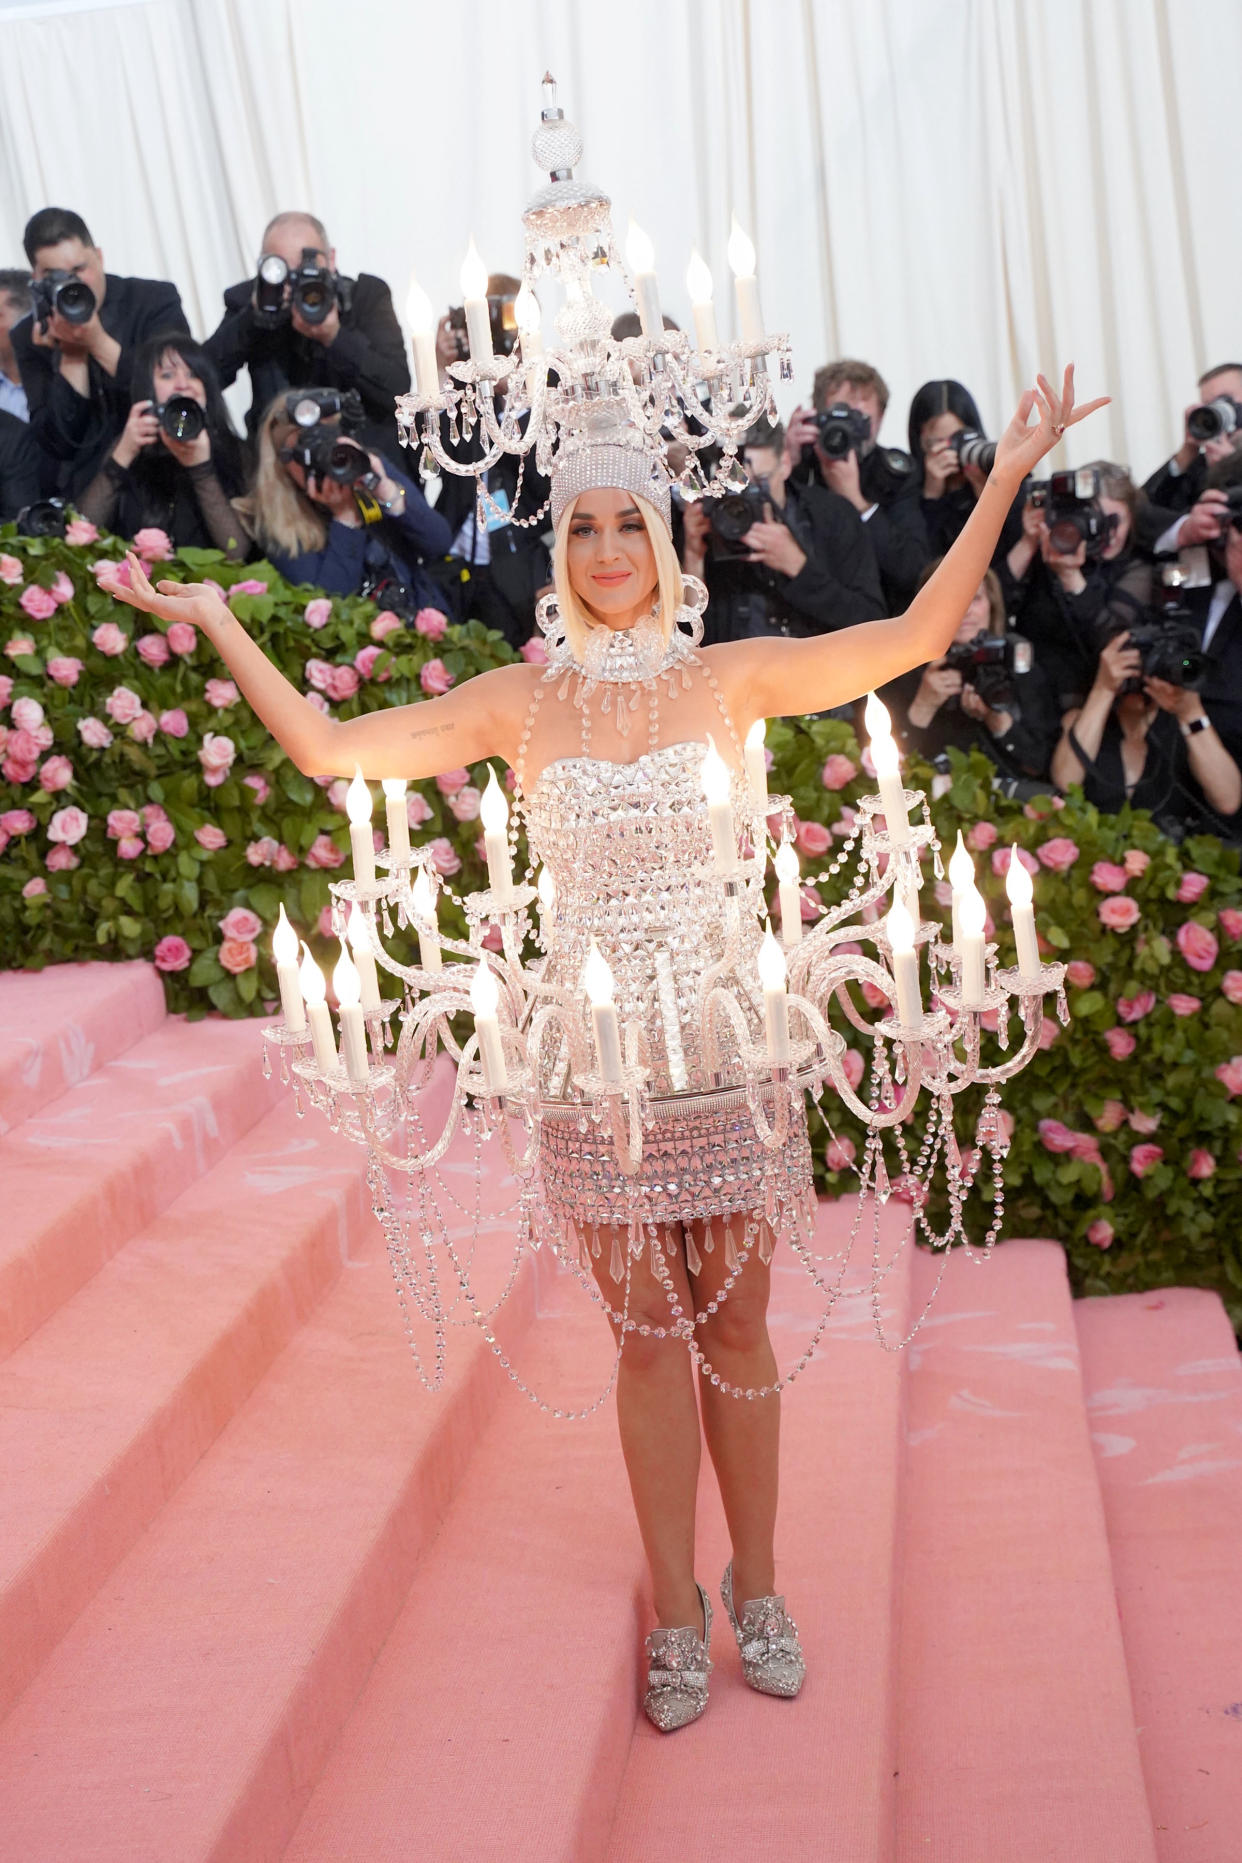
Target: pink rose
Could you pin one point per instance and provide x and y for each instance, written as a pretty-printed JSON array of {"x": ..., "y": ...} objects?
[
  {"x": 259, "y": 784},
  {"x": 1112, "y": 1118},
  {"x": 874, "y": 996},
  {"x": 1134, "y": 1008},
  {"x": 153, "y": 649},
  {"x": 1101, "y": 1233},
  {"x": 122, "y": 705},
  {"x": 1145, "y": 1123},
  {"x": 64, "y": 670},
  {"x": 1079, "y": 973},
  {"x": 1193, "y": 886},
  {"x": 211, "y": 837},
  {"x": 318, "y": 674},
  {"x": 111, "y": 575},
  {"x": 450, "y": 781},
  {"x": 241, "y": 922},
  {"x": 1049, "y": 1031},
  {"x": 6, "y": 687},
  {"x": 216, "y": 755},
  {"x": 841, "y": 1152},
  {"x": 323, "y": 852},
  {"x": 867, "y": 761},
  {"x": 11, "y": 570},
  {"x": 94, "y": 733},
  {"x": 57, "y": 773},
  {"x": 18, "y": 645},
  {"x": 430, "y": 623},
  {"x": 262, "y": 853},
  {"x": 62, "y": 589},
  {"x": 62, "y": 859},
  {"x": 1136, "y": 862},
  {"x": 37, "y": 603},
  {"x": 1118, "y": 912},
  {"x": 174, "y": 723},
  {"x": 110, "y": 639},
  {"x": 68, "y": 826},
  {"x": 1120, "y": 1043},
  {"x": 386, "y": 623},
  {"x": 343, "y": 683},
  {"x": 464, "y": 806},
  {"x": 435, "y": 676},
  {"x": 853, "y": 1067},
  {"x": 153, "y": 545},
  {"x": 1058, "y": 855},
  {"x": 143, "y": 727},
  {"x": 17, "y": 821},
  {"x": 417, "y": 808},
  {"x": 1001, "y": 858},
  {"x": 1197, "y": 945},
  {"x": 153, "y": 812},
  {"x": 324, "y": 922},
  {"x": 249, "y": 586},
  {"x": 1202, "y": 1164},
  {"x": 129, "y": 847},
  {"x": 318, "y": 613},
  {"x": 1055, "y": 1136},
  {"x": 236, "y": 955},
  {"x": 1184, "y": 1005},
  {"x": 1229, "y": 1074},
  {"x": 220, "y": 693},
  {"x": 123, "y": 822},
  {"x": 27, "y": 714},
  {"x": 982, "y": 836},
  {"x": 1144, "y": 1158},
  {"x": 160, "y": 836},
  {"x": 444, "y": 856},
  {"x": 1231, "y": 986},
  {"x": 534, "y": 651},
  {"x": 172, "y": 953},
  {"x": 338, "y": 793},
  {"x": 285, "y": 860},
  {"x": 34, "y": 889},
  {"x": 1230, "y": 920},
  {"x": 79, "y": 532},
  {"x": 1108, "y": 877},
  {"x": 182, "y": 637},
  {"x": 838, "y": 770},
  {"x": 364, "y": 663},
  {"x": 813, "y": 839},
  {"x": 812, "y": 904}
]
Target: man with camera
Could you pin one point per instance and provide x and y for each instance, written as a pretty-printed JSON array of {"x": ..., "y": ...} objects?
[
  {"x": 836, "y": 444},
  {"x": 1213, "y": 432},
  {"x": 299, "y": 322},
  {"x": 75, "y": 351},
  {"x": 1213, "y": 606},
  {"x": 779, "y": 558}
]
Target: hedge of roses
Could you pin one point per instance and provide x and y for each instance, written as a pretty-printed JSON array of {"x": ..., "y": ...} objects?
[{"x": 144, "y": 812}]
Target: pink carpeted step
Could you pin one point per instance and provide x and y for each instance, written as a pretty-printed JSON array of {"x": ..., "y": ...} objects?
[
  {"x": 188, "y": 1711},
  {"x": 1164, "y": 1398},
  {"x": 58, "y": 1025},
  {"x": 105, "y": 1410},
  {"x": 1016, "y": 1731},
  {"x": 93, "y": 1167}
]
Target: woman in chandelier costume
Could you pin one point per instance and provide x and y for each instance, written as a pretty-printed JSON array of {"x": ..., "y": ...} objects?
[{"x": 618, "y": 826}]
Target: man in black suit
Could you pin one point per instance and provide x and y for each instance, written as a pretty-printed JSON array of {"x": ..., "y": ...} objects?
[
  {"x": 19, "y": 466},
  {"x": 1176, "y": 486},
  {"x": 1217, "y": 607},
  {"x": 357, "y": 344},
  {"x": 78, "y": 375}
]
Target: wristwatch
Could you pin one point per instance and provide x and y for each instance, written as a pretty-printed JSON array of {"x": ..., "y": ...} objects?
[{"x": 1192, "y": 726}]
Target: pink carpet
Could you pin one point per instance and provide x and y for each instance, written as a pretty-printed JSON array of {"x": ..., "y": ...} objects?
[{"x": 262, "y": 1598}]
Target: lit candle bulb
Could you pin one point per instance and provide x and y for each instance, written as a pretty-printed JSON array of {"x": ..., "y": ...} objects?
[
  {"x": 285, "y": 952},
  {"x": 757, "y": 763},
  {"x": 545, "y": 887},
  {"x": 599, "y": 986},
  {"x": 961, "y": 878},
  {"x": 973, "y": 916},
  {"x": 315, "y": 996},
  {"x": 789, "y": 891},
  {"x": 1022, "y": 910},
  {"x": 358, "y": 808},
  {"x": 719, "y": 811},
  {"x": 702, "y": 310},
  {"x": 905, "y": 965},
  {"x": 359, "y": 934},
  {"x": 640, "y": 257},
  {"x": 397, "y": 818},
  {"x": 349, "y": 1008},
  {"x": 494, "y": 813},
  {"x": 429, "y": 955},
  {"x": 888, "y": 771},
  {"x": 484, "y": 1001},
  {"x": 529, "y": 318},
  {"x": 421, "y": 319},
  {"x": 775, "y": 1000},
  {"x": 745, "y": 285},
  {"x": 478, "y": 316}
]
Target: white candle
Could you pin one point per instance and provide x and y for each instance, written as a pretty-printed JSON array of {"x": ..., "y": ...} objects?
[
  {"x": 888, "y": 771},
  {"x": 285, "y": 952},
  {"x": 429, "y": 954},
  {"x": 315, "y": 995},
  {"x": 421, "y": 319},
  {"x": 359, "y": 934},
  {"x": 961, "y": 878},
  {"x": 640, "y": 257},
  {"x": 789, "y": 892},
  {"x": 973, "y": 914},
  {"x": 545, "y": 887},
  {"x": 598, "y": 980},
  {"x": 397, "y": 818},
  {"x": 1022, "y": 910},
  {"x": 361, "y": 839},
  {"x": 775, "y": 1000},
  {"x": 484, "y": 999},
  {"x": 349, "y": 1008},
  {"x": 745, "y": 285},
  {"x": 494, "y": 813},
  {"x": 702, "y": 310},
  {"x": 529, "y": 322},
  {"x": 719, "y": 811},
  {"x": 666, "y": 992},
  {"x": 757, "y": 763},
  {"x": 905, "y": 965},
  {"x": 478, "y": 316}
]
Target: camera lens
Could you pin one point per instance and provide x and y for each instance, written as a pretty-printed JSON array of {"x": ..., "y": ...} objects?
[
  {"x": 75, "y": 301},
  {"x": 346, "y": 463},
  {"x": 732, "y": 517},
  {"x": 313, "y": 298},
  {"x": 182, "y": 418}
]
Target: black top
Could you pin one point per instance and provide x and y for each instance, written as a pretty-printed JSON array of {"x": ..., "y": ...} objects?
[
  {"x": 1164, "y": 787},
  {"x": 191, "y": 503},
  {"x": 502, "y": 593},
  {"x": 1065, "y": 630},
  {"x": 1025, "y": 750},
  {"x": 19, "y": 466},
  {"x": 836, "y": 587},
  {"x": 895, "y": 526}
]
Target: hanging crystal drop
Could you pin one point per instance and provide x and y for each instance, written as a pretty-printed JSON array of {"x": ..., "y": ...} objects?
[
  {"x": 736, "y": 478},
  {"x": 693, "y": 1259},
  {"x": 616, "y": 1266},
  {"x": 883, "y": 1189},
  {"x": 427, "y": 462},
  {"x": 952, "y": 1151}
]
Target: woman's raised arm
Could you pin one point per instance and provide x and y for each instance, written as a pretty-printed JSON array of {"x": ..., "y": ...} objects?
[{"x": 481, "y": 718}]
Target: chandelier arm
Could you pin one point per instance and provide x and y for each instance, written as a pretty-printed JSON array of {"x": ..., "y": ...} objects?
[
  {"x": 431, "y": 440},
  {"x": 414, "y": 1166}
]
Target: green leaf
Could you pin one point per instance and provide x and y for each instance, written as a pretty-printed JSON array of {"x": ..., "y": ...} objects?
[
  {"x": 1057, "y": 936},
  {"x": 297, "y": 787},
  {"x": 129, "y": 927},
  {"x": 205, "y": 969},
  {"x": 247, "y": 985}
]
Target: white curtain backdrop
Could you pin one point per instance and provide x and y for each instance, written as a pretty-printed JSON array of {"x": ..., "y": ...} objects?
[{"x": 970, "y": 188}]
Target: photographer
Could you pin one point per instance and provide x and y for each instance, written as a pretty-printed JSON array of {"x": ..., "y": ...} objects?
[
  {"x": 1215, "y": 607},
  {"x": 835, "y": 444},
  {"x": 326, "y": 510},
  {"x": 299, "y": 320},
  {"x": 76, "y": 350},
  {"x": 178, "y": 462},
  {"x": 777, "y": 559},
  {"x": 1212, "y": 432},
  {"x": 19, "y": 467},
  {"x": 952, "y": 460},
  {"x": 985, "y": 694},
  {"x": 15, "y": 303}
]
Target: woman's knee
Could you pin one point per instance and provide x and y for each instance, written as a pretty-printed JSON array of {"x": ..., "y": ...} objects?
[{"x": 739, "y": 1325}]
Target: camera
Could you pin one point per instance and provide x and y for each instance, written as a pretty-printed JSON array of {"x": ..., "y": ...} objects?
[
  {"x": 885, "y": 472},
  {"x": 842, "y": 430},
  {"x": 973, "y": 450},
  {"x": 989, "y": 663},
  {"x": 731, "y": 517},
  {"x": 180, "y": 416},
  {"x": 1072, "y": 503},
  {"x": 502, "y": 312},
  {"x": 1168, "y": 640},
  {"x": 62, "y": 294},
  {"x": 313, "y": 290},
  {"x": 1214, "y": 419},
  {"x": 326, "y": 419},
  {"x": 46, "y": 517}
]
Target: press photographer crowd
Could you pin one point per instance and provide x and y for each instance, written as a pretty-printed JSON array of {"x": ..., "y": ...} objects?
[{"x": 1104, "y": 647}]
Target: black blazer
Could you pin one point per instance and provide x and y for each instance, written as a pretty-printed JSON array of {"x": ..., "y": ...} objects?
[
  {"x": 1222, "y": 692},
  {"x": 19, "y": 466},
  {"x": 838, "y": 585}
]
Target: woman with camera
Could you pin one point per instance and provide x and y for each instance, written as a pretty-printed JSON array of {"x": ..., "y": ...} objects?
[
  {"x": 177, "y": 463},
  {"x": 326, "y": 511},
  {"x": 939, "y": 413}
]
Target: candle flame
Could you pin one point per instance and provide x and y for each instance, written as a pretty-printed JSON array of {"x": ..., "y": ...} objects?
[
  {"x": 699, "y": 279},
  {"x": 493, "y": 809},
  {"x": 545, "y": 886},
  {"x": 786, "y": 861},
  {"x": 284, "y": 941},
  {"x": 973, "y": 912},
  {"x": 358, "y": 800},
  {"x": 484, "y": 992},
  {"x": 961, "y": 866},
  {"x": 310, "y": 979},
  {"x": 715, "y": 775},
  {"x": 1018, "y": 882},
  {"x": 639, "y": 251},
  {"x": 393, "y": 787},
  {"x": 741, "y": 252},
  {"x": 597, "y": 977},
  {"x": 771, "y": 962},
  {"x": 418, "y": 312},
  {"x": 423, "y": 896},
  {"x": 345, "y": 980},
  {"x": 527, "y": 311},
  {"x": 473, "y": 273},
  {"x": 756, "y": 734},
  {"x": 876, "y": 719},
  {"x": 900, "y": 927}
]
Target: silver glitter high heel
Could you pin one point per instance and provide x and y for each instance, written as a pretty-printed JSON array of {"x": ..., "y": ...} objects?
[
  {"x": 772, "y": 1659},
  {"x": 678, "y": 1668}
]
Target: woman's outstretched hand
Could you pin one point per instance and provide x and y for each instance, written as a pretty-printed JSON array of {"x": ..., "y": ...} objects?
[
  {"x": 1023, "y": 445},
  {"x": 171, "y": 601}
]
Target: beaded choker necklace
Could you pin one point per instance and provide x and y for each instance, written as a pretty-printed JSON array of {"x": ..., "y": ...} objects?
[{"x": 615, "y": 656}]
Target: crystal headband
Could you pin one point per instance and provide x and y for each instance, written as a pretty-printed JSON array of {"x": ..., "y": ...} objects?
[{"x": 612, "y": 463}]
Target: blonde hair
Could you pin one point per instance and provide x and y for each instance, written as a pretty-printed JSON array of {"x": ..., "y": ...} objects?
[
  {"x": 576, "y": 618},
  {"x": 276, "y": 512}
]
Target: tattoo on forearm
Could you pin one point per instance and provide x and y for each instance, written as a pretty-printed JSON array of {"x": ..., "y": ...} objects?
[{"x": 432, "y": 730}]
